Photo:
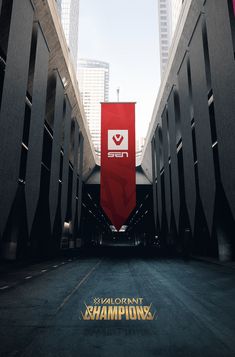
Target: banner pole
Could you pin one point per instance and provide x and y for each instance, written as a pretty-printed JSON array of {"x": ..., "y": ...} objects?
[{"x": 118, "y": 91}]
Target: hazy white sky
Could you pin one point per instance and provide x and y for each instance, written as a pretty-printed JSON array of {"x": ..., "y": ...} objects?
[{"x": 124, "y": 33}]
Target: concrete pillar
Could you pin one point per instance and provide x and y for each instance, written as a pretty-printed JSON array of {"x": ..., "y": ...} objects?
[
  {"x": 65, "y": 170},
  {"x": 167, "y": 184},
  {"x": 81, "y": 148},
  {"x": 56, "y": 148},
  {"x": 35, "y": 145},
  {"x": 154, "y": 183},
  {"x": 206, "y": 172},
  {"x": 13, "y": 103},
  {"x": 75, "y": 184},
  {"x": 172, "y": 123},
  {"x": 187, "y": 144},
  {"x": 158, "y": 143}
]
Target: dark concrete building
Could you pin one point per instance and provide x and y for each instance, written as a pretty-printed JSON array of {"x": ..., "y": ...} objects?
[
  {"x": 192, "y": 134},
  {"x": 46, "y": 151}
]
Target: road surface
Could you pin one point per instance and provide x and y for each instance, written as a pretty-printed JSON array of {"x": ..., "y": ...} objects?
[{"x": 193, "y": 304}]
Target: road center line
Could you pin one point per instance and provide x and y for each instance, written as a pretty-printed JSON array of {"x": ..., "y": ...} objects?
[
  {"x": 77, "y": 287},
  {"x": 4, "y": 287}
]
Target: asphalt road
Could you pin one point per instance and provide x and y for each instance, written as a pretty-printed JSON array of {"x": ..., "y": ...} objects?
[{"x": 193, "y": 302}]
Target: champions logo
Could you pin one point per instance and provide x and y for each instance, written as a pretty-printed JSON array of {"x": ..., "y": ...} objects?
[
  {"x": 117, "y": 143},
  {"x": 118, "y": 309}
]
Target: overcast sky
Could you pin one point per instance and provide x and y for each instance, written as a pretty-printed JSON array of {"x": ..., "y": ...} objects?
[{"x": 124, "y": 33}]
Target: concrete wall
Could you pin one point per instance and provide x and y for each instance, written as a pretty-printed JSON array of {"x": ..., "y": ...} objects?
[
  {"x": 45, "y": 146},
  {"x": 191, "y": 137}
]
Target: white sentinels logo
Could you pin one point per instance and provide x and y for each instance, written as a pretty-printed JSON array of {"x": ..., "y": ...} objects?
[
  {"x": 117, "y": 142},
  {"x": 117, "y": 139}
]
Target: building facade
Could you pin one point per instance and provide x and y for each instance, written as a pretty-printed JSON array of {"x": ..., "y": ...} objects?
[
  {"x": 192, "y": 134},
  {"x": 43, "y": 139},
  {"x": 93, "y": 77},
  {"x": 176, "y": 6}
]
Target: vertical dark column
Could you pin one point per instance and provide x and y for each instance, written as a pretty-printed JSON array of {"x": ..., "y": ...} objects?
[
  {"x": 222, "y": 66},
  {"x": 0, "y": 6},
  {"x": 231, "y": 7},
  {"x": 33, "y": 171},
  {"x": 75, "y": 173},
  {"x": 174, "y": 160},
  {"x": 153, "y": 148},
  {"x": 188, "y": 159},
  {"x": 65, "y": 172},
  {"x": 206, "y": 171},
  {"x": 81, "y": 147},
  {"x": 158, "y": 143},
  {"x": 13, "y": 103},
  {"x": 167, "y": 183},
  {"x": 56, "y": 148}
]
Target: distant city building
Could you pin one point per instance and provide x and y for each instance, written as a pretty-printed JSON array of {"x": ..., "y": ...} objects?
[
  {"x": 93, "y": 79},
  {"x": 139, "y": 145},
  {"x": 69, "y": 14},
  {"x": 168, "y": 15},
  {"x": 164, "y": 18}
]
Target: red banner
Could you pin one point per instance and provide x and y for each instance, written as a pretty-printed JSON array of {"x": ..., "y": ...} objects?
[{"x": 118, "y": 177}]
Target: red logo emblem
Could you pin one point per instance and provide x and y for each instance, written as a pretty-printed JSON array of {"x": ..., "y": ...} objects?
[{"x": 118, "y": 139}]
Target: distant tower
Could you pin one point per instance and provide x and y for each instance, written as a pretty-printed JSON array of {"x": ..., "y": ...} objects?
[
  {"x": 165, "y": 31},
  {"x": 69, "y": 14},
  {"x": 168, "y": 15},
  {"x": 93, "y": 80}
]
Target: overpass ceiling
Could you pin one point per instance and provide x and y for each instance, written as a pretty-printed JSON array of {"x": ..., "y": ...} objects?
[
  {"x": 94, "y": 177},
  {"x": 95, "y": 219}
]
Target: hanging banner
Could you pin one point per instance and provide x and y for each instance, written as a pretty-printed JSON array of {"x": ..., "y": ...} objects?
[{"x": 118, "y": 177}]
